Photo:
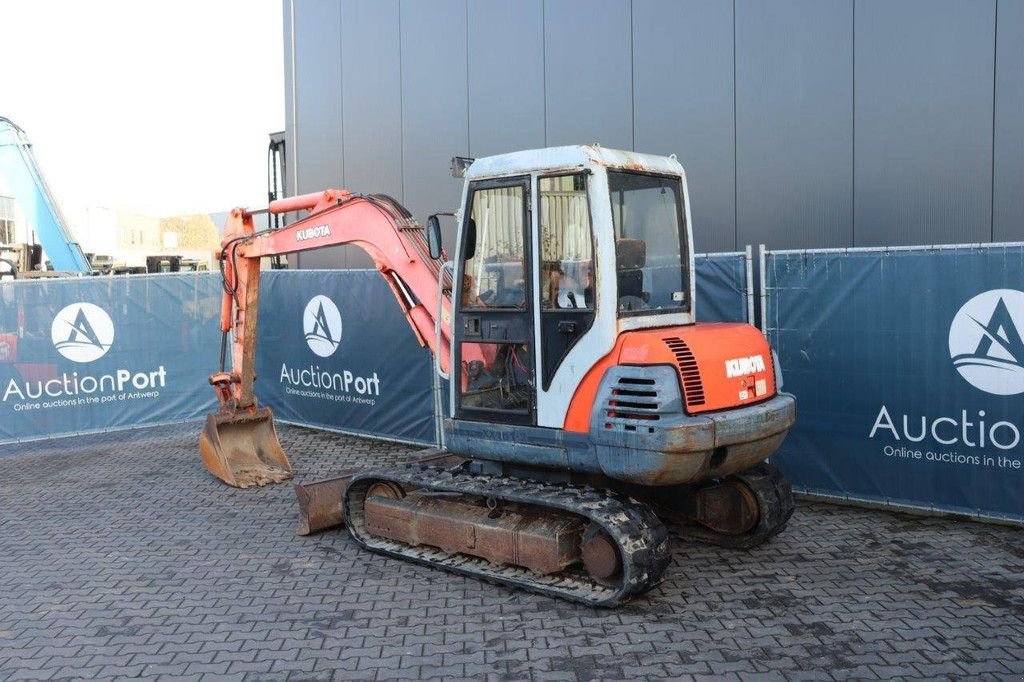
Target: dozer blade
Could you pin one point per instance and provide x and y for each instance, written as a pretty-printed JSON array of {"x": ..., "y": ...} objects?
[
  {"x": 321, "y": 502},
  {"x": 241, "y": 448}
]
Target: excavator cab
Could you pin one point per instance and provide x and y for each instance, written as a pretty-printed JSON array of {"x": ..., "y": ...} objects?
[
  {"x": 553, "y": 264},
  {"x": 574, "y": 331}
]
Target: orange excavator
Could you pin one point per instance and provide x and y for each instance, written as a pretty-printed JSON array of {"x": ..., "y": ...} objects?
[{"x": 589, "y": 412}]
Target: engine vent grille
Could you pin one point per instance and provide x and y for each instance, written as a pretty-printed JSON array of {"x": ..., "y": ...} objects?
[
  {"x": 693, "y": 387},
  {"x": 632, "y": 400}
]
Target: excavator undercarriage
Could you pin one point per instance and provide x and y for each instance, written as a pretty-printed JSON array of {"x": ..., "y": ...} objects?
[
  {"x": 595, "y": 544},
  {"x": 583, "y": 544}
]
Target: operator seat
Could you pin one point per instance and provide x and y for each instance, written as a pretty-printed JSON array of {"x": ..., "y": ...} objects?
[{"x": 630, "y": 259}]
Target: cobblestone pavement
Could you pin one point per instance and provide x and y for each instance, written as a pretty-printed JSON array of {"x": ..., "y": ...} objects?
[{"x": 121, "y": 556}]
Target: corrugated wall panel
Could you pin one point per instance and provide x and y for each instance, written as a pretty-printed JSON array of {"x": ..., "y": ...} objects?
[
  {"x": 287, "y": 7},
  {"x": 289, "y": 121},
  {"x": 588, "y": 72},
  {"x": 372, "y": 95},
  {"x": 923, "y": 121},
  {"x": 318, "y": 90},
  {"x": 683, "y": 104},
  {"x": 419, "y": 87},
  {"x": 318, "y": 112},
  {"x": 371, "y": 99},
  {"x": 506, "y": 76},
  {"x": 1008, "y": 193},
  {"x": 794, "y": 122},
  {"x": 435, "y": 125}
]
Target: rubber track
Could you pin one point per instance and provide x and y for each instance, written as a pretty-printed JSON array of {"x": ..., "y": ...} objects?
[{"x": 641, "y": 537}]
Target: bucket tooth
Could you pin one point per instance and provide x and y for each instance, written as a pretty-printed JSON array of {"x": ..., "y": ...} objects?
[{"x": 241, "y": 448}]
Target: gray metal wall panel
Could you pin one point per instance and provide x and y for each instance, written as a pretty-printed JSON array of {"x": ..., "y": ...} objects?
[
  {"x": 372, "y": 95},
  {"x": 794, "y": 122},
  {"x": 1008, "y": 193},
  {"x": 371, "y": 90},
  {"x": 506, "y": 76},
  {"x": 289, "y": 123},
  {"x": 318, "y": 115},
  {"x": 923, "y": 121},
  {"x": 318, "y": 89},
  {"x": 419, "y": 87},
  {"x": 435, "y": 125},
  {"x": 588, "y": 72},
  {"x": 683, "y": 103}
]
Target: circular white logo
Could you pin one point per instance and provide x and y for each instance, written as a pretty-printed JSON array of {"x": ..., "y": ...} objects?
[
  {"x": 322, "y": 324},
  {"x": 985, "y": 341},
  {"x": 82, "y": 332}
]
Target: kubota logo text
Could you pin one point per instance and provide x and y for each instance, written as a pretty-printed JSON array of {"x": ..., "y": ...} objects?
[
  {"x": 744, "y": 366},
  {"x": 985, "y": 341},
  {"x": 82, "y": 332},
  {"x": 321, "y": 323},
  {"x": 313, "y": 233}
]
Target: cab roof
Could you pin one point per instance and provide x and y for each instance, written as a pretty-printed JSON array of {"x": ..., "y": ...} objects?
[{"x": 569, "y": 158}]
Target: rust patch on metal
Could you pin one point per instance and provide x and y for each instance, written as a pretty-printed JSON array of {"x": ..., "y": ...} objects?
[
  {"x": 742, "y": 456},
  {"x": 240, "y": 447},
  {"x": 386, "y": 489},
  {"x": 729, "y": 508},
  {"x": 543, "y": 541},
  {"x": 601, "y": 557},
  {"x": 321, "y": 503},
  {"x": 633, "y": 166}
]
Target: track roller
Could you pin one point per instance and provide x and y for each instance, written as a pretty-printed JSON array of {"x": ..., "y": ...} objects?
[{"x": 740, "y": 511}]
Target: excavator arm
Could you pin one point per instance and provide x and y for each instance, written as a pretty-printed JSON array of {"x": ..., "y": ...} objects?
[
  {"x": 239, "y": 444},
  {"x": 376, "y": 223}
]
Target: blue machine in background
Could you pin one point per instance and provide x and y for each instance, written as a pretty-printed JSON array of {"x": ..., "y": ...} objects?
[{"x": 21, "y": 176}]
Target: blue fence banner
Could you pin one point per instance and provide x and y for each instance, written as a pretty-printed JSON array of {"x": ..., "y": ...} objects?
[
  {"x": 908, "y": 368},
  {"x": 91, "y": 354},
  {"x": 335, "y": 351},
  {"x": 722, "y": 287}
]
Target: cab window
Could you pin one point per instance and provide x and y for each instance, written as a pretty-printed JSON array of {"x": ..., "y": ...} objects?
[
  {"x": 652, "y": 259},
  {"x": 493, "y": 267},
  {"x": 567, "y": 296},
  {"x": 566, "y": 244}
]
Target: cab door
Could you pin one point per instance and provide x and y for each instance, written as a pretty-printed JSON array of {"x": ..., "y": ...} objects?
[
  {"x": 567, "y": 268},
  {"x": 494, "y": 332}
]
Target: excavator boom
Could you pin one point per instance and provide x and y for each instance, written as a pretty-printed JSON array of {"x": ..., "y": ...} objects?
[{"x": 239, "y": 444}]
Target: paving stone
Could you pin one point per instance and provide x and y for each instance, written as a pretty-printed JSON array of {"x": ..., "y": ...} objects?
[{"x": 121, "y": 557}]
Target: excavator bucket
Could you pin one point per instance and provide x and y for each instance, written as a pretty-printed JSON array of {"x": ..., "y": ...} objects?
[{"x": 241, "y": 448}]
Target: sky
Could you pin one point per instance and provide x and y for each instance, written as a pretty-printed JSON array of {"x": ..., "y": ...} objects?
[{"x": 159, "y": 108}]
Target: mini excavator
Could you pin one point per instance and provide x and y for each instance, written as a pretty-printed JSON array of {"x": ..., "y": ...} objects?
[{"x": 590, "y": 412}]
